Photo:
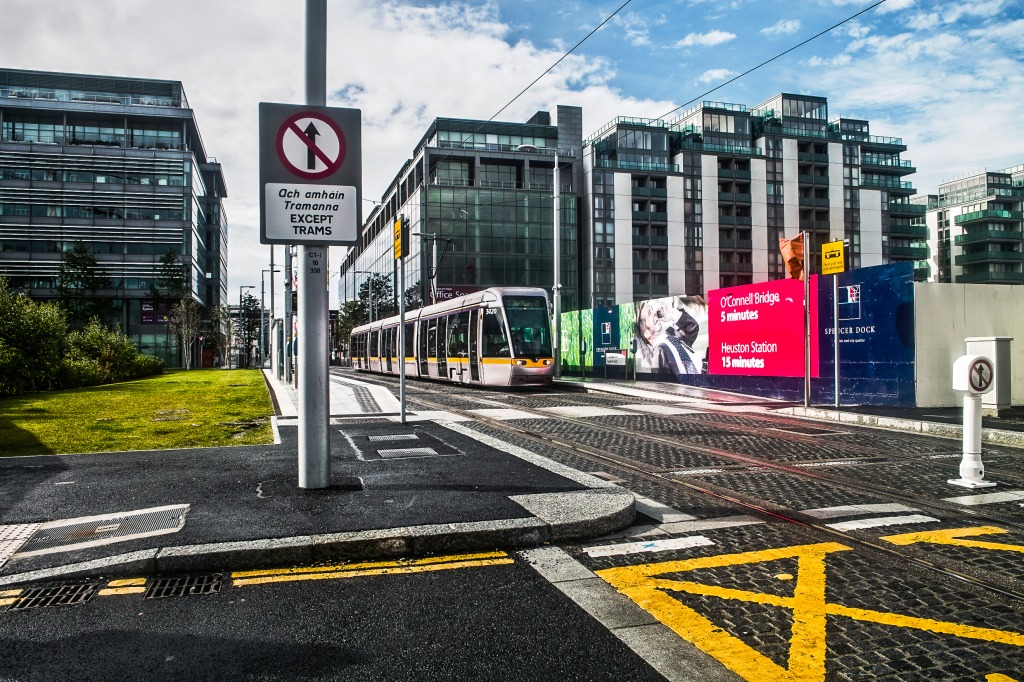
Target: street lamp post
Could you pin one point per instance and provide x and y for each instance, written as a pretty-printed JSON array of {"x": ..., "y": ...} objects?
[
  {"x": 432, "y": 272},
  {"x": 369, "y": 288},
  {"x": 262, "y": 312},
  {"x": 247, "y": 286}
]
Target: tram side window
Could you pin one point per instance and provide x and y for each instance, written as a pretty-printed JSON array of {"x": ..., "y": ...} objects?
[
  {"x": 409, "y": 340},
  {"x": 374, "y": 345},
  {"x": 493, "y": 342},
  {"x": 458, "y": 335},
  {"x": 432, "y": 338}
]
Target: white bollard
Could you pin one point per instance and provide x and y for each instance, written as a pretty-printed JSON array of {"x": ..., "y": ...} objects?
[{"x": 972, "y": 374}]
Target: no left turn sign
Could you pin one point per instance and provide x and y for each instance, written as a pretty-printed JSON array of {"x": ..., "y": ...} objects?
[{"x": 310, "y": 145}]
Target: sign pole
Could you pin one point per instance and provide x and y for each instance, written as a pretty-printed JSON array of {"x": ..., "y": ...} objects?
[
  {"x": 807, "y": 318},
  {"x": 400, "y": 238},
  {"x": 556, "y": 299},
  {"x": 835, "y": 321},
  {"x": 314, "y": 439}
]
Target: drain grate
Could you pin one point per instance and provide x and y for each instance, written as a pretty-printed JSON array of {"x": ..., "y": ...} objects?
[
  {"x": 184, "y": 585},
  {"x": 62, "y": 536},
  {"x": 401, "y": 453},
  {"x": 55, "y": 595},
  {"x": 393, "y": 437}
]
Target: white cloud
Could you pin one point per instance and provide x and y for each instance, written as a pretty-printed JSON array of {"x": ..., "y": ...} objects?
[
  {"x": 894, "y": 6},
  {"x": 782, "y": 27},
  {"x": 715, "y": 75},
  {"x": 708, "y": 39},
  {"x": 838, "y": 60},
  {"x": 402, "y": 65}
]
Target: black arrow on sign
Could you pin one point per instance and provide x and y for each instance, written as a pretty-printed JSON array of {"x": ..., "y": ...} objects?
[{"x": 311, "y": 132}]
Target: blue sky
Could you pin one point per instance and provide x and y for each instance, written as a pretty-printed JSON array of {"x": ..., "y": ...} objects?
[{"x": 947, "y": 77}]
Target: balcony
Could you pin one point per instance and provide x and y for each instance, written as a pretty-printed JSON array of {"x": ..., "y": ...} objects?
[
  {"x": 641, "y": 264},
  {"x": 641, "y": 216},
  {"x": 815, "y": 225},
  {"x": 641, "y": 191},
  {"x": 731, "y": 173},
  {"x": 886, "y": 183},
  {"x": 628, "y": 165},
  {"x": 814, "y": 201},
  {"x": 649, "y": 240},
  {"x": 888, "y": 142},
  {"x": 990, "y": 278},
  {"x": 812, "y": 158},
  {"x": 735, "y": 267},
  {"x": 922, "y": 273},
  {"x": 898, "y": 208},
  {"x": 990, "y": 257},
  {"x": 812, "y": 179},
  {"x": 919, "y": 231},
  {"x": 868, "y": 162},
  {"x": 659, "y": 192},
  {"x": 978, "y": 236},
  {"x": 912, "y": 252},
  {"x": 989, "y": 214},
  {"x": 650, "y": 290},
  {"x": 734, "y": 196},
  {"x": 738, "y": 244}
]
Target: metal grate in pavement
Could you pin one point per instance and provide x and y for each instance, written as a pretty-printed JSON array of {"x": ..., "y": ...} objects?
[
  {"x": 12, "y": 538},
  {"x": 92, "y": 531},
  {"x": 55, "y": 595},
  {"x": 184, "y": 585},
  {"x": 403, "y": 453},
  {"x": 393, "y": 437}
]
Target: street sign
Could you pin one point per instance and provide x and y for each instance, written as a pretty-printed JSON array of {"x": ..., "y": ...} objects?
[
  {"x": 401, "y": 236},
  {"x": 310, "y": 175},
  {"x": 832, "y": 258},
  {"x": 615, "y": 358},
  {"x": 980, "y": 375}
]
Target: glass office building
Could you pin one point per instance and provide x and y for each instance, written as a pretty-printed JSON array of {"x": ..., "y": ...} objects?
[
  {"x": 482, "y": 192},
  {"x": 118, "y": 165}
]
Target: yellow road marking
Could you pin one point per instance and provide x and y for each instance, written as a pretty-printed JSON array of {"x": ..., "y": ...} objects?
[
  {"x": 241, "y": 578},
  {"x": 809, "y": 611},
  {"x": 10, "y": 593},
  {"x": 997, "y": 677},
  {"x": 955, "y": 537},
  {"x": 111, "y": 591},
  {"x": 8, "y": 601},
  {"x": 123, "y": 586}
]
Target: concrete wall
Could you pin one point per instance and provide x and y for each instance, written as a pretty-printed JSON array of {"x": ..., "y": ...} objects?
[{"x": 946, "y": 314}]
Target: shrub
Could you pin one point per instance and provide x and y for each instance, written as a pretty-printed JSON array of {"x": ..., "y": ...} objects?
[
  {"x": 113, "y": 355},
  {"x": 31, "y": 341}
]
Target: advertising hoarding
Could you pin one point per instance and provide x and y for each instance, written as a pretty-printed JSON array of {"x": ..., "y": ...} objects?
[{"x": 758, "y": 329}]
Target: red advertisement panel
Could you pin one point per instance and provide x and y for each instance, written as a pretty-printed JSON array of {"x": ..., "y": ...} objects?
[{"x": 758, "y": 329}]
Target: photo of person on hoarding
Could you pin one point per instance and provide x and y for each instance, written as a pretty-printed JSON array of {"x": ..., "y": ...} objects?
[{"x": 669, "y": 336}]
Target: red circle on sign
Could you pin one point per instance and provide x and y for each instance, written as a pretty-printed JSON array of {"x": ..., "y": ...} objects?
[
  {"x": 983, "y": 381},
  {"x": 289, "y": 125}
]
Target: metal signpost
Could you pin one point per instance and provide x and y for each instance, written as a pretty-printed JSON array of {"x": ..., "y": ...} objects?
[
  {"x": 833, "y": 263},
  {"x": 401, "y": 232},
  {"x": 311, "y": 182}
]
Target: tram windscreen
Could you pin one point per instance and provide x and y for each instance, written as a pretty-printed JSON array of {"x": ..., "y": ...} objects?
[{"x": 529, "y": 325}]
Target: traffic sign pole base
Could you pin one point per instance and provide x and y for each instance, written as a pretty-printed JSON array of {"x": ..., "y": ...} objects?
[{"x": 965, "y": 483}]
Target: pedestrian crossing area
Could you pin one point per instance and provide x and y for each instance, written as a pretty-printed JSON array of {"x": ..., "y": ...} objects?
[{"x": 562, "y": 411}]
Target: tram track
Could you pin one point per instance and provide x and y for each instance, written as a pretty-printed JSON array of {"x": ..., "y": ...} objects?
[{"x": 621, "y": 463}]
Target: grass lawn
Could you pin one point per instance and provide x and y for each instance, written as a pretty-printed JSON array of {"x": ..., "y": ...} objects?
[{"x": 177, "y": 409}]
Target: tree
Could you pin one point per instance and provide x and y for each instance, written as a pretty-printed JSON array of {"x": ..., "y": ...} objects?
[
  {"x": 170, "y": 283},
  {"x": 357, "y": 312},
  {"x": 223, "y": 328},
  {"x": 249, "y": 323},
  {"x": 79, "y": 282},
  {"x": 31, "y": 343},
  {"x": 186, "y": 316}
]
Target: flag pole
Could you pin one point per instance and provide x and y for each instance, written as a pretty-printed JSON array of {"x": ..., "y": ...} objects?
[{"x": 807, "y": 318}]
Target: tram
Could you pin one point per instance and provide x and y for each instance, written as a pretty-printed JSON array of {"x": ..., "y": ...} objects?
[{"x": 496, "y": 337}]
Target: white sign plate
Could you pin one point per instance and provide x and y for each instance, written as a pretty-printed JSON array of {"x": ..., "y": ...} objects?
[
  {"x": 614, "y": 358},
  {"x": 309, "y": 212}
]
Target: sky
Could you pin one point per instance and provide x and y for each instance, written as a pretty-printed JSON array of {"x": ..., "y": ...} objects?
[{"x": 947, "y": 77}]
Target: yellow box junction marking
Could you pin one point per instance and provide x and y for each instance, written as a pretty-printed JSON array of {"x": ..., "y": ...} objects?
[
  {"x": 442, "y": 563},
  {"x": 123, "y": 586},
  {"x": 809, "y": 610},
  {"x": 8, "y": 597},
  {"x": 955, "y": 537}
]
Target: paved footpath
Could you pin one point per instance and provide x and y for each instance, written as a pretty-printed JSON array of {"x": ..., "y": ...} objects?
[{"x": 397, "y": 490}]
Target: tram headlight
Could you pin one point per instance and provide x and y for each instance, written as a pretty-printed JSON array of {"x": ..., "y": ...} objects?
[
  {"x": 521, "y": 363},
  {"x": 547, "y": 362}
]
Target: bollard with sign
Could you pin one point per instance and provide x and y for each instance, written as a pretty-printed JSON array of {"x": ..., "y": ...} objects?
[{"x": 973, "y": 375}]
